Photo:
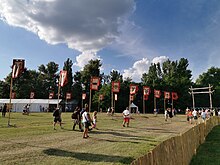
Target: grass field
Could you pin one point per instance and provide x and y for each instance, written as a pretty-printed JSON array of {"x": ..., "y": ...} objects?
[
  {"x": 209, "y": 152},
  {"x": 32, "y": 139}
]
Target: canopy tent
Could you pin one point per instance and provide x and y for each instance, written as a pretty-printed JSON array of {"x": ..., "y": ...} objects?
[
  {"x": 133, "y": 106},
  {"x": 36, "y": 105}
]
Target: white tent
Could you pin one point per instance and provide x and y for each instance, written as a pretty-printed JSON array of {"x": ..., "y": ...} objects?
[
  {"x": 133, "y": 106},
  {"x": 35, "y": 104}
]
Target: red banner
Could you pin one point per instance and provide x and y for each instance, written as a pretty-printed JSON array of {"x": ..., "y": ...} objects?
[
  {"x": 63, "y": 78},
  {"x": 131, "y": 97},
  {"x": 133, "y": 89},
  {"x": 51, "y": 95},
  {"x": 68, "y": 95},
  {"x": 146, "y": 90},
  {"x": 157, "y": 93},
  {"x": 32, "y": 95},
  {"x": 13, "y": 95},
  {"x": 166, "y": 95},
  {"x": 145, "y": 97},
  {"x": 174, "y": 96},
  {"x": 17, "y": 67},
  {"x": 94, "y": 83},
  {"x": 84, "y": 96},
  {"x": 115, "y": 87}
]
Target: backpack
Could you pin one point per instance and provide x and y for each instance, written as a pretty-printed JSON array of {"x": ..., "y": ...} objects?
[
  {"x": 56, "y": 113},
  {"x": 74, "y": 115},
  {"x": 82, "y": 111}
]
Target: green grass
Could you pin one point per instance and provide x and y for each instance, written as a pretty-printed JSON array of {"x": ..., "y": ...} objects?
[
  {"x": 209, "y": 152},
  {"x": 32, "y": 140}
]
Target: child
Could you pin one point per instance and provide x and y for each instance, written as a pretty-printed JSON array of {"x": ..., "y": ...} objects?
[{"x": 94, "y": 119}]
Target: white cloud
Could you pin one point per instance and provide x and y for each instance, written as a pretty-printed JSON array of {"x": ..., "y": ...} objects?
[
  {"x": 83, "y": 25},
  {"x": 86, "y": 56},
  {"x": 142, "y": 66},
  {"x": 138, "y": 68},
  {"x": 159, "y": 59}
]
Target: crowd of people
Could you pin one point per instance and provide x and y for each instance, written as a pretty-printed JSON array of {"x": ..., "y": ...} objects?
[{"x": 192, "y": 116}]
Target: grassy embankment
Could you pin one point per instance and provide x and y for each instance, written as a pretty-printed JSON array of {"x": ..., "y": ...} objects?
[{"x": 209, "y": 152}]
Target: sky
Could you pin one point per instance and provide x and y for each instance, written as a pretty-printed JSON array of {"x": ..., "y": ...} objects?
[{"x": 126, "y": 35}]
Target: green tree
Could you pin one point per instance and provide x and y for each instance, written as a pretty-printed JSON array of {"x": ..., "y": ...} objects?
[{"x": 211, "y": 77}]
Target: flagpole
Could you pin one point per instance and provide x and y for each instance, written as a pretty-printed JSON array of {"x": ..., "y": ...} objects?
[
  {"x": 143, "y": 105},
  {"x": 90, "y": 97},
  {"x": 164, "y": 104},
  {"x": 9, "y": 113},
  {"x": 172, "y": 103},
  {"x": 155, "y": 104},
  {"x": 82, "y": 104},
  {"x": 112, "y": 101},
  {"x": 58, "y": 94}
]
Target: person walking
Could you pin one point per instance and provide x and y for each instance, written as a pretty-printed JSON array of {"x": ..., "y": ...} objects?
[
  {"x": 57, "y": 118},
  {"x": 86, "y": 120},
  {"x": 4, "y": 110},
  {"x": 195, "y": 116},
  {"x": 126, "y": 116},
  {"x": 94, "y": 119},
  {"x": 77, "y": 118}
]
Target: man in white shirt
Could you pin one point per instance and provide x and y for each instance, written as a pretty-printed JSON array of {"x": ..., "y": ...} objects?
[{"x": 126, "y": 115}]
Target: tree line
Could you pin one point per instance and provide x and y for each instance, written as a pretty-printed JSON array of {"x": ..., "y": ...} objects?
[{"x": 169, "y": 76}]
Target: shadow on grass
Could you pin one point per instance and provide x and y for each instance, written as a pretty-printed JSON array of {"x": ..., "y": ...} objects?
[{"x": 88, "y": 156}]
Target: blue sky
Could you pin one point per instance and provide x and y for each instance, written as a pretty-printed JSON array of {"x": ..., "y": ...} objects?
[{"x": 125, "y": 35}]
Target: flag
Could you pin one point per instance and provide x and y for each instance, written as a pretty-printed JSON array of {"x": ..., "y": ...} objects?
[
  {"x": 13, "y": 95},
  {"x": 157, "y": 93},
  {"x": 115, "y": 87},
  {"x": 68, "y": 96},
  {"x": 32, "y": 95},
  {"x": 94, "y": 83},
  {"x": 133, "y": 89},
  {"x": 101, "y": 97},
  {"x": 84, "y": 96},
  {"x": 51, "y": 95},
  {"x": 146, "y": 90},
  {"x": 63, "y": 78},
  {"x": 17, "y": 67},
  {"x": 174, "y": 96},
  {"x": 116, "y": 97},
  {"x": 131, "y": 97},
  {"x": 145, "y": 97},
  {"x": 166, "y": 95}
]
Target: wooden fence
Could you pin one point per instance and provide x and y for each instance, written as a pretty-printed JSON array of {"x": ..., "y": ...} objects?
[{"x": 179, "y": 149}]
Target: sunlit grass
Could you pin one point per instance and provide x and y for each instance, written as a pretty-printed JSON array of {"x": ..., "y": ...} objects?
[
  {"x": 209, "y": 152},
  {"x": 32, "y": 140}
]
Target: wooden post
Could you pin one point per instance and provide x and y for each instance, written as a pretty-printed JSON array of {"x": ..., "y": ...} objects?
[
  {"x": 58, "y": 94},
  {"x": 210, "y": 96},
  {"x": 90, "y": 100},
  {"x": 10, "y": 107},
  {"x": 112, "y": 100},
  {"x": 143, "y": 105},
  {"x": 155, "y": 104},
  {"x": 164, "y": 104},
  {"x": 193, "y": 100}
]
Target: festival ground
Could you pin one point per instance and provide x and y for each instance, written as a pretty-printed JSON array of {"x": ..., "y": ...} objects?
[{"x": 32, "y": 140}]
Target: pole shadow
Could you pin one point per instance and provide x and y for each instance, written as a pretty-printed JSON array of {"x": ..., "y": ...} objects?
[{"x": 88, "y": 156}]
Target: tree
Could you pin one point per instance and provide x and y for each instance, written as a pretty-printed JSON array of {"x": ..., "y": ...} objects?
[
  {"x": 48, "y": 78},
  {"x": 211, "y": 77}
]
